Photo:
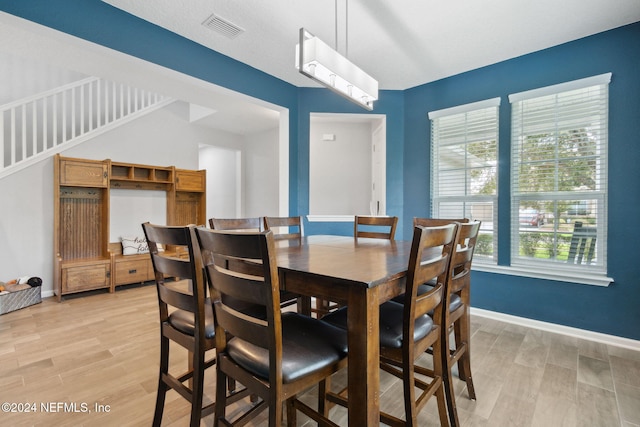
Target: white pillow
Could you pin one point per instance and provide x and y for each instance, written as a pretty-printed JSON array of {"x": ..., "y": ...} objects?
[{"x": 134, "y": 245}]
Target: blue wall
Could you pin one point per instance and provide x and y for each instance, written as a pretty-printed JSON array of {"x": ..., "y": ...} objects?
[{"x": 612, "y": 310}]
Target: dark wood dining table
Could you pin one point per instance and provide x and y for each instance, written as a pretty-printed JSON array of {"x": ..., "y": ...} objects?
[{"x": 362, "y": 273}]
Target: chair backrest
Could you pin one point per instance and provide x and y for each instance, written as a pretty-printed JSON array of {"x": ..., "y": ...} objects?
[
  {"x": 294, "y": 224},
  {"x": 229, "y": 280},
  {"x": 245, "y": 224},
  {"x": 583, "y": 244},
  {"x": 431, "y": 251},
  {"x": 363, "y": 226},
  {"x": 435, "y": 222},
  {"x": 460, "y": 267},
  {"x": 167, "y": 265}
]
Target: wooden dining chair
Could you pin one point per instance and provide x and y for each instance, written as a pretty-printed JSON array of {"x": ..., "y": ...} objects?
[
  {"x": 294, "y": 227},
  {"x": 436, "y": 222},
  {"x": 245, "y": 224},
  {"x": 186, "y": 317},
  {"x": 457, "y": 318},
  {"x": 250, "y": 224},
  {"x": 276, "y": 358},
  {"x": 377, "y": 227},
  {"x": 431, "y": 252}
]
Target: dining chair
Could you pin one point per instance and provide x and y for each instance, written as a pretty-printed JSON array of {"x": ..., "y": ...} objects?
[
  {"x": 186, "y": 317},
  {"x": 276, "y": 358},
  {"x": 376, "y": 227},
  {"x": 435, "y": 222},
  {"x": 294, "y": 226},
  {"x": 250, "y": 224},
  {"x": 371, "y": 226},
  {"x": 430, "y": 256},
  {"x": 246, "y": 224},
  {"x": 457, "y": 318}
]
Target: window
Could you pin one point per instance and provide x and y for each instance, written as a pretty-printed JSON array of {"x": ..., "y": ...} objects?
[
  {"x": 464, "y": 162},
  {"x": 559, "y": 176}
]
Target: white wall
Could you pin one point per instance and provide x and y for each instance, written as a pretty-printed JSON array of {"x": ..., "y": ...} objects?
[
  {"x": 260, "y": 174},
  {"x": 340, "y": 170},
  {"x": 242, "y": 174},
  {"x": 29, "y": 77}
]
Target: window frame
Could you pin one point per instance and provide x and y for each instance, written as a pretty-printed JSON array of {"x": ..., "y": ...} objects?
[
  {"x": 436, "y": 199},
  {"x": 589, "y": 274}
]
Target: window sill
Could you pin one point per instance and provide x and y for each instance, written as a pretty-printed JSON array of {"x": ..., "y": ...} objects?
[
  {"x": 330, "y": 218},
  {"x": 549, "y": 274}
]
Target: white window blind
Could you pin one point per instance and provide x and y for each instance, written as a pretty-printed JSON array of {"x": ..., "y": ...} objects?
[
  {"x": 464, "y": 162},
  {"x": 559, "y": 176}
]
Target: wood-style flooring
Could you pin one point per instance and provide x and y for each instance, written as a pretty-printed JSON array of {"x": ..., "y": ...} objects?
[{"x": 92, "y": 361}]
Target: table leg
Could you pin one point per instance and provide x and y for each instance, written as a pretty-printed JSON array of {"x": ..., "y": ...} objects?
[{"x": 364, "y": 357}]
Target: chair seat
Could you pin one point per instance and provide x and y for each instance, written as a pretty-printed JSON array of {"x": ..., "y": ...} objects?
[
  {"x": 184, "y": 321},
  {"x": 390, "y": 324},
  {"x": 423, "y": 289},
  {"x": 307, "y": 345}
]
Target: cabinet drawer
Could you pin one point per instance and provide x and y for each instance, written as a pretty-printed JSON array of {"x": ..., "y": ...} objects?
[
  {"x": 132, "y": 271},
  {"x": 82, "y": 278}
]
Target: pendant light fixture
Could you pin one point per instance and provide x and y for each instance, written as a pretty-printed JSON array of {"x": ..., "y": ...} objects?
[{"x": 318, "y": 61}]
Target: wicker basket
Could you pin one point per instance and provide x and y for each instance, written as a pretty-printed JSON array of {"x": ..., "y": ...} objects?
[{"x": 12, "y": 301}]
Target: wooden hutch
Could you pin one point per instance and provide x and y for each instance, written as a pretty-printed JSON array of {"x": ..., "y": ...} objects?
[{"x": 84, "y": 257}]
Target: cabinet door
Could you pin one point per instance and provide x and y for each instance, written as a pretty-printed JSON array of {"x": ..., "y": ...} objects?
[
  {"x": 190, "y": 180},
  {"x": 85, "y": 277},
  {"x": 83, "y": 173}
]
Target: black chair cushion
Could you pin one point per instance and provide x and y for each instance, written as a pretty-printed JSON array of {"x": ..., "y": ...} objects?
[
  {"x": 390, "y": 324},
  {"x": 423, "y": 289},
  {"x": 307, "y": 345},
  {"x": 184, "y": 322}
]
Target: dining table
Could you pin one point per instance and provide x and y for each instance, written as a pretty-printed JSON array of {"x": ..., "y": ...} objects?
[{"x": 362, "y": 273}]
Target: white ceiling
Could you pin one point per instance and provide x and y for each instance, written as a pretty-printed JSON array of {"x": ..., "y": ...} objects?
[{"x": 402, "y": 43}]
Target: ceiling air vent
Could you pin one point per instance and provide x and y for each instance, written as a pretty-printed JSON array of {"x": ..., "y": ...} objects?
[{"x": 222, "y": 26}]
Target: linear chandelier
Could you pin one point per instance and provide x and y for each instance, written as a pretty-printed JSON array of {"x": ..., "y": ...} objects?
[{"x": 316, "y": 60}]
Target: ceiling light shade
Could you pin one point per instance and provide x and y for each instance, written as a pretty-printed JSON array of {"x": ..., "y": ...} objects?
[{"x": 316, "y": 60}]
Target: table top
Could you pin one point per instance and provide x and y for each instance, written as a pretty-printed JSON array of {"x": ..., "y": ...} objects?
[{"x": 361, "y": 261}]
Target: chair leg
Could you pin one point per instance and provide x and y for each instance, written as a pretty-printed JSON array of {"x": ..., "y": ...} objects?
[
  {"x": 275, "y": 410},
  {"x": 221, "y": 396},
  {"x": 410, "y": 409},
  {"x": 291, "y": 413},
  {"x": 463, "y": 340},
  {"x": 198, "y": 387},
  {"x": 323, "y": 387},
  {"x": 447, "y": 380},
  {"x": 162, "y": 386}
]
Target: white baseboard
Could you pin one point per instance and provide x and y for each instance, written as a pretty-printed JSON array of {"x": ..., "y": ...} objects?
[{"x": 559, "y": 329}]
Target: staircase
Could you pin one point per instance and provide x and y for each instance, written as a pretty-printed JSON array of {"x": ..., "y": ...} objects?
[{"x": 34, "y": 128}]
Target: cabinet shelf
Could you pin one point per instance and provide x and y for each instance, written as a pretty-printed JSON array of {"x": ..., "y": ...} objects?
[{"x": 141, "y": 173}]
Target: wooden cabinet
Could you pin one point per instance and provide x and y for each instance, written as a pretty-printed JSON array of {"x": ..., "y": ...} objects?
[{"x": 84, "y": 259}]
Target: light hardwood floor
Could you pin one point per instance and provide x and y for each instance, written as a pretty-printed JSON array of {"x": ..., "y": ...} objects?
[{"x": 100, "y": 352}]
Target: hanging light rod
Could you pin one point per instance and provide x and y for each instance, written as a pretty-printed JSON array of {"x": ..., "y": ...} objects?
[{"x": 318, "y": 61}]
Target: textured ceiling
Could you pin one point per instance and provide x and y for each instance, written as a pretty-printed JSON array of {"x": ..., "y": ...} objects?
[{"x": 402, "y": 43}]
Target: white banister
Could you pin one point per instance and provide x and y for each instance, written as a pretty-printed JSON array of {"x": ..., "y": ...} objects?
[{"x": 41, "y": 125}]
